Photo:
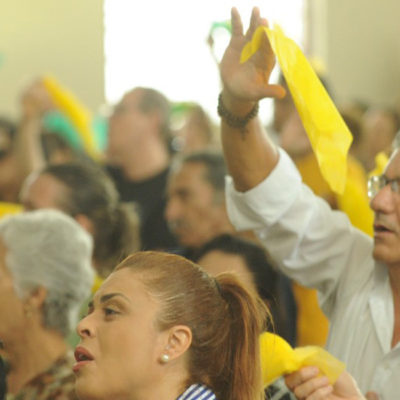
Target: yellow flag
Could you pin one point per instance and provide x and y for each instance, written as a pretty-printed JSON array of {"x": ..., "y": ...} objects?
[
  {"x": 78, "y": 114},
  {"x": 278, "y": 358},
  {"x": 329, "y": 136}
]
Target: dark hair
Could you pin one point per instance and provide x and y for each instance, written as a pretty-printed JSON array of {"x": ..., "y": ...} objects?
[
  {"x": 268, "y": 281},
  {"x": 3, "y": 379},
  {"x": 225, "y": 320},
  {"x": 8, "y": 126},
  {"x": 93, "y": 194},
  {"x": 215, "y": 168},
  {"x": 264, "y": 276}
]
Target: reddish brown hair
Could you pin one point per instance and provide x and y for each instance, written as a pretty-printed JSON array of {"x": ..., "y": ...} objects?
[{"x": 225, "y": 320}]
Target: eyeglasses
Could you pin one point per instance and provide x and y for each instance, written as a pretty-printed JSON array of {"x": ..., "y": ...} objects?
[{"x": 376, "y": 183}]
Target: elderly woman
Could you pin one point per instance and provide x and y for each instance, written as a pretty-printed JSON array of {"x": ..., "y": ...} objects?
[
  {"x": 161, "y": 328},
  {"x": 45, "y": 275}
]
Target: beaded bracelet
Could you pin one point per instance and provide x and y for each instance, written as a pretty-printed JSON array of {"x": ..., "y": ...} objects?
[{"x": 233, "y": 120}]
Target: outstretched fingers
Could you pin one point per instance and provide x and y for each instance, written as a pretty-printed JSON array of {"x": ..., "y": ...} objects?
[
  {"x": 236, "y": 22},
  {"x": 254, "y": 23}
]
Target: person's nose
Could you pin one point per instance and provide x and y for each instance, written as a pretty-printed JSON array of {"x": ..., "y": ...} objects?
[
  {"x": 85, "y": 327},
  {"x": 383, "y": 201}
]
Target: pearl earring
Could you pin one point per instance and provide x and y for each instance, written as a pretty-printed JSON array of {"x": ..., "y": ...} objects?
[{"x": 164, "y": 358}]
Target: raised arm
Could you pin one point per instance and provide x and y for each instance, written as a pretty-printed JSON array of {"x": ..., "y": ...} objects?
[
  {"x": 249, "y": 153},
  {"x": 35, "y": 101}
]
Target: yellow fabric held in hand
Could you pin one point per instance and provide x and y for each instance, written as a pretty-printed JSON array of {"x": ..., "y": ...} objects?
[
  {"x": 278, "y": 358},
  {"x": 329, "y": 136},
  {"x": 76, "y": 112}
]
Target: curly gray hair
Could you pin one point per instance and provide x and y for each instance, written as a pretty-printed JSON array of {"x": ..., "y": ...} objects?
[{"x": 47, "y": 248}]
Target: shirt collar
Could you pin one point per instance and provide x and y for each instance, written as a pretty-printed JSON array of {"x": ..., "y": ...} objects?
[{"x": 197, "y": 391}]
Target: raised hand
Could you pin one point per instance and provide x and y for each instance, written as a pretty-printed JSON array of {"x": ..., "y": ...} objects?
[
  {"x": 248, "y": 82},
  {"x": 35, "y": 100}
]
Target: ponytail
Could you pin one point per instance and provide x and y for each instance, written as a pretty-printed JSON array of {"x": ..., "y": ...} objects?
[{"x": 244, "y": 321}]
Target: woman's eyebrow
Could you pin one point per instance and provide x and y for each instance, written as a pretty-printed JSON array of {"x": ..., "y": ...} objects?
[{"x": 109, "y": 296}]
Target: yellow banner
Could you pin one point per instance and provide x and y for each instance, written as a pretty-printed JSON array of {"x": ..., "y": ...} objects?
[
  {"x": 77, "y": 113},
  {"x": 329, "y": 136}
]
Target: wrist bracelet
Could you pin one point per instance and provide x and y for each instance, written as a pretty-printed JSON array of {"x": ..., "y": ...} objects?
[{"x": 233, "y": 120}]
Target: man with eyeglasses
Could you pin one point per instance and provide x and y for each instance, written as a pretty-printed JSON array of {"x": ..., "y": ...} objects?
[{"x": 358, "y": 279}]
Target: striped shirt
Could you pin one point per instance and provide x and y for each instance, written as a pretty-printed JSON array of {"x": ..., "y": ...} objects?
[{"x": 197, "y": 392}]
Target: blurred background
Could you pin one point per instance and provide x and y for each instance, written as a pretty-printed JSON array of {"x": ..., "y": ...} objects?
[{"x": 101, "y": 48}]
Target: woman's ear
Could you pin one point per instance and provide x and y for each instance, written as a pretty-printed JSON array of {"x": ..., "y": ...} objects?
[
  {"x": 37, "y": 297},
  {"x": 33, "y": 303},
  {"x": 178, "y": 341}
]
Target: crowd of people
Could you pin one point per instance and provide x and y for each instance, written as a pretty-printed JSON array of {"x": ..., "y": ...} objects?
[{"x": 176, "y": 250}]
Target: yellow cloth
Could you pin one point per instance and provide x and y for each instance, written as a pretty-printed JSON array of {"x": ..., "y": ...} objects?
[
  {"x": 354, "y": 201},
  {"x": 77, "y": 113},
  {"x": 9, "y": 208},
  {"x": 312, "y": 325},
  {"x": 278, "y": 358},
  {"x": 329, "y": 136}
]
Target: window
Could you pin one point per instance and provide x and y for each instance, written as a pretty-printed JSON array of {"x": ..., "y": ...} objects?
[{"x": 163, "y": 44}]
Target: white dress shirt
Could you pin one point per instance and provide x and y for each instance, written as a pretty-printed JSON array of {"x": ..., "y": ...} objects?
[{"x": 319, "y": 248}]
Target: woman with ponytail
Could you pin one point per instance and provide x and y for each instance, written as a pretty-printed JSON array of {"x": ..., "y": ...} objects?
[{"x": 161, "y": 328}]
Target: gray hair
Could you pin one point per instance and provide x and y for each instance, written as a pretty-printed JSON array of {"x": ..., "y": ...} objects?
[{"x": 47, "y": 248}]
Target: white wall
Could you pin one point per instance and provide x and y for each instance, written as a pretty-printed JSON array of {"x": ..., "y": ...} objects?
[
  {"x": 59, "y": 37},
  {"x": 359, "y": 41}
]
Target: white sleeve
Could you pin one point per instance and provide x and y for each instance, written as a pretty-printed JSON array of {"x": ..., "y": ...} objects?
[{"x": 312, "y": 244}]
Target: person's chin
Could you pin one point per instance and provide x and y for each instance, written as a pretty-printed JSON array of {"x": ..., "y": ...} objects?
[
  {"x": 186, "y": 239},
  {"x": 381, "y": 252},
  {"x": 84, "y": 388}
]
